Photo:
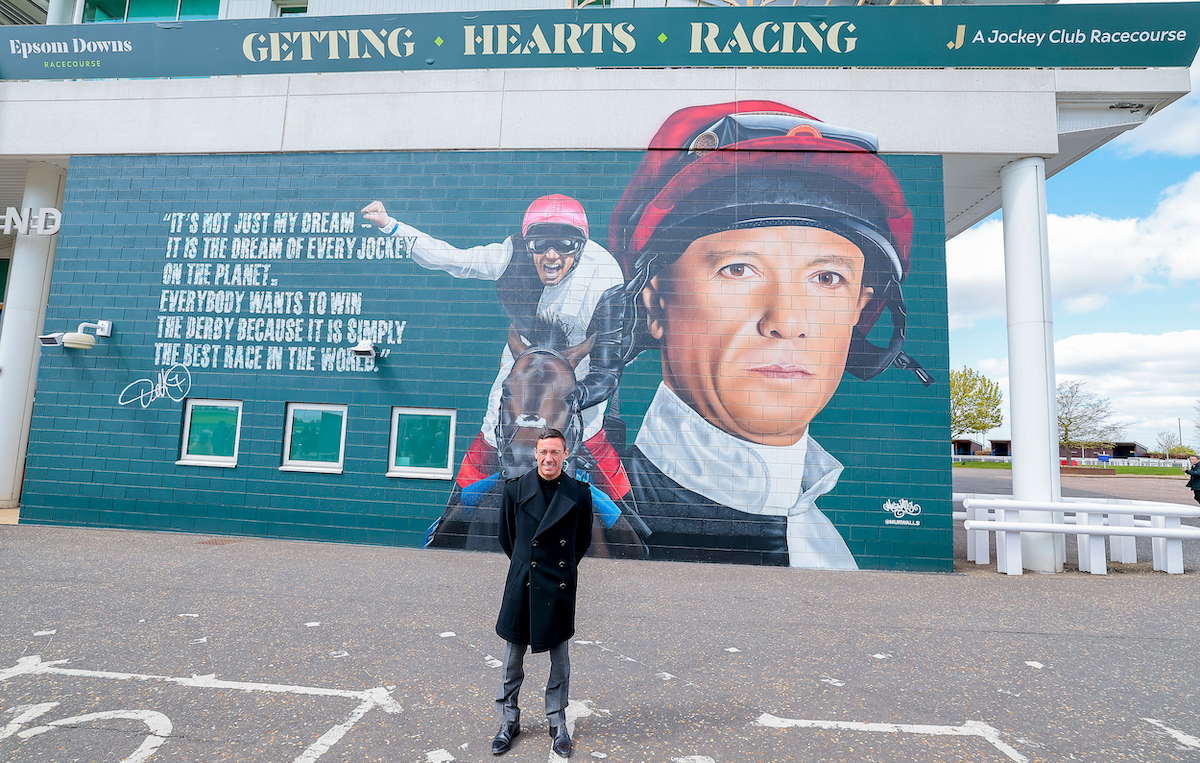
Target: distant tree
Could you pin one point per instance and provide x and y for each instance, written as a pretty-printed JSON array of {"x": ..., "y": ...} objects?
[
  {"x": 1167, "y": 444},
  {"x": 974, "y": 403},
  {"x": 1085, "y": 420}
]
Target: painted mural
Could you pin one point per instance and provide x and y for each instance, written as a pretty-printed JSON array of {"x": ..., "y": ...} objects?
[
  {"x": 718, "y": 323},
  {"x": 755, "y": 247}
]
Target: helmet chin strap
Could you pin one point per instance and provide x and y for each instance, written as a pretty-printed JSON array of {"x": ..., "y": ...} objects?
[{"x": 867, "y": 360}]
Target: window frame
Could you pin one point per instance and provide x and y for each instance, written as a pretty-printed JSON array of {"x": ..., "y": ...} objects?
[
  {"x": 318, "y": 467},
  {"x": 421, "y": 472},
  {"x": 193, "y": 459},
  {"x": 284, "y": 8}
]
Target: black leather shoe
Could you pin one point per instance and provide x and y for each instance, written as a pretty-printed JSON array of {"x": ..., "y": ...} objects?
[
  {"x": 562, "y": 741},
  {"x": 502, "y": 742}
]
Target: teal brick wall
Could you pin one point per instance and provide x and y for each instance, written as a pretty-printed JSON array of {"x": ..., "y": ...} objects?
[{"x": 94, "y": 462}]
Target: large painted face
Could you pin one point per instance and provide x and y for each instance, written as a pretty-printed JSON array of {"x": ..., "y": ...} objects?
[
  {"x": 755, "y": 325},
  {"x": 551, "y": 452}
]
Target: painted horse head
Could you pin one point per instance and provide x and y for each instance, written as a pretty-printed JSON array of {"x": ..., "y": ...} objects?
[{"x": 536, "y": 396}]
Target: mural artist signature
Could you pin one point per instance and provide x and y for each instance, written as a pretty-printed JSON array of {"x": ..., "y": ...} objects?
[
  {"x": 902, "y": 507},
  {"x": 173, "y": 382}
]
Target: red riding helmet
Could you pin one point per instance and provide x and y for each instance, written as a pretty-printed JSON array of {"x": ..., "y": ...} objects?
[
  {"x": 751, "y": 164},
  {"x": 555, "y": 209}
]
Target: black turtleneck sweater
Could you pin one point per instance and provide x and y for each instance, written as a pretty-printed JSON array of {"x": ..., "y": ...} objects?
[{"x": 549, "y": 487}]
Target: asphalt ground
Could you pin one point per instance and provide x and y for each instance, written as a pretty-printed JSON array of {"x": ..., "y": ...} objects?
[{"x": 128, "y": 646}]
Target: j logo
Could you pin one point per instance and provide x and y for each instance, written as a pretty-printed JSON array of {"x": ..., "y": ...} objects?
[{"x": 957, "y": 42}]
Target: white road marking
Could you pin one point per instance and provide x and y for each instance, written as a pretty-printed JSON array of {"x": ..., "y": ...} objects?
[
  {"x": 202, "y": 640},
  {"x": 970, "y": 728},
  {"x": 492, "y": 662},
  {"x": 1187, "y": 740},
  {"x": 693, "y": 759},
  {"x": 598, "y": 755},
  {"x": 832, "y": 681},
  {"x": 1034, "y": 664},
  {"x": 881, "y": 656},
  {"x": 448, "y": 634},
  {"x": 339, "y": 655},
  {"x": 187, "y": 614},
  {"x": 159, "y": 725},
  {"x": 312, "y": 624},
  {"x": 45, "y": 633},
  {"x": 369, "y": 699},
  {"x": 664, "y": 676},
  {"x": 25, "y": 714},
  {"x": 438, "y": 756},
  {"x": 584, "y": 642},
  {"x": 733, "y": 649}
]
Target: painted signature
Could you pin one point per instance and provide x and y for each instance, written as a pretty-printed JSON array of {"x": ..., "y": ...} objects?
[
  {"x": 173, "y": 382},
  {"x": 902, "y": 507}
]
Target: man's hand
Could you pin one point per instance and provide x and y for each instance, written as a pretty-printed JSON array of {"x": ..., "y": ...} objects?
[{"x": 377, "y": 215}]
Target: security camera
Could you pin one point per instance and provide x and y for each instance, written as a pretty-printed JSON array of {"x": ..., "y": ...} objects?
[
  {"x": 364, "y": 349},
  {"x": 51, "y": 340},
  {"x": 78, "y": 340}
]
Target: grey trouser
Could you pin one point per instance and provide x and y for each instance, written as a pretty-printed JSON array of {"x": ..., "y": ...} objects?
[{"x": 556, "y": 684}]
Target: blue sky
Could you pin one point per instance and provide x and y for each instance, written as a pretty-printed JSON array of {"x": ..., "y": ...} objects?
[{"x": 1125, "y": 275}]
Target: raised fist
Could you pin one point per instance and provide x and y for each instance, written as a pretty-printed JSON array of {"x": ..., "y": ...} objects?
[{"x": 377, "y": 215}]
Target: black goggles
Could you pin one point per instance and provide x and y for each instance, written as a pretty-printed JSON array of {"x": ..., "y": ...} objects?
[
  {"x": 735, "y": 128},
  {"x": 567, "y": 247}
]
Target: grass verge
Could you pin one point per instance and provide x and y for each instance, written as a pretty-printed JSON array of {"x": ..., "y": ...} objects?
[{"x": 1157, "y": 471}]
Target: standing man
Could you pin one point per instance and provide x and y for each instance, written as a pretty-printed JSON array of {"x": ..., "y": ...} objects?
[
  {"x": 545, "y": 529},
  {"x": 1193, "y": 472}
]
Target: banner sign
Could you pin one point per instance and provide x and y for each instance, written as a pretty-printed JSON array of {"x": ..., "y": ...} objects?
[{"x": 1047, "y": 36}]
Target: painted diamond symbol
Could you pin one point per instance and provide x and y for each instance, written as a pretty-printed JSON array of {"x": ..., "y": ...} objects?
[
  {"x": 662, "y": 37},
  {"x": 438, "y": 42}
]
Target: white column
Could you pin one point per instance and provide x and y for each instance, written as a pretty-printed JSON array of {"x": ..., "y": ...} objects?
[
  {"x": 24, "y": 311},
  {"x": 60, "y": 12},
  {"x": 1031, "y": 355}
]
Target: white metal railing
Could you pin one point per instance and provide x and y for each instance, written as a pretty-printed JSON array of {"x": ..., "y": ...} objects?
[{"x": 1089, "y": 519}]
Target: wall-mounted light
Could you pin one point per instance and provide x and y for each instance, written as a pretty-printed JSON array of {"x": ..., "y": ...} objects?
[
  {"x": 364, "y": 349},
  {"x": 51, "y": 340},
  {"x": 79, "y": 339}
]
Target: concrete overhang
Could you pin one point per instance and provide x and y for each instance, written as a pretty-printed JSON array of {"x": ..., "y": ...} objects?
[{"x": 977, "y": 119}]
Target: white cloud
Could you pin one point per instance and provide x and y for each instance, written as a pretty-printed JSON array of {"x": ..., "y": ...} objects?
[
  {"x": 1092, "y": 258},
  {"x": 1151, "y": 379},
  {"x": 975, "y": 274},
  {"x": 1088, "y": 303}
]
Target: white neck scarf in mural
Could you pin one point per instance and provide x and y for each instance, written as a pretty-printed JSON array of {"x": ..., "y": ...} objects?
[{"x": 746, "y": 476}]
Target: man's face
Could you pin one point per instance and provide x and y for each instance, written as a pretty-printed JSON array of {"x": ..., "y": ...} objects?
[
  {"x": 554, "y": 249},
  {"x": 552, "y": 267},
  {"x": 755, "y": 325},
  {"x": 550, "y": 453}
]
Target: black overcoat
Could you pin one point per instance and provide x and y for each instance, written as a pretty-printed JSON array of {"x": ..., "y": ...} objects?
[
  {"x": 544, "y": 544},
  {"x": 1193, "y": 472}
]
